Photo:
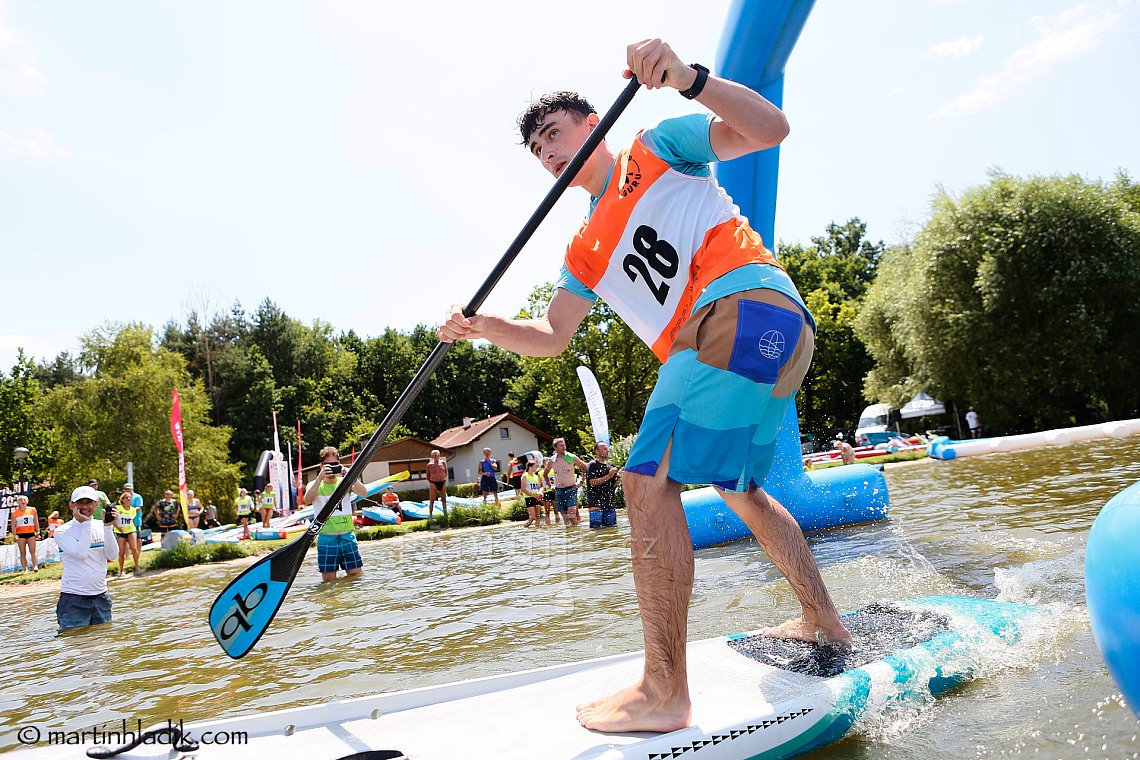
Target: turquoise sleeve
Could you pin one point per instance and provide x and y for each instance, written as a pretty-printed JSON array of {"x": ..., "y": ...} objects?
[
  {"x": 567, "y": 281},
  {"x": 683, "y": 142}
]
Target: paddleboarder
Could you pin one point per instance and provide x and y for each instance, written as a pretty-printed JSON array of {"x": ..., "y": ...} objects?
[{"x": 671, "y": 254}]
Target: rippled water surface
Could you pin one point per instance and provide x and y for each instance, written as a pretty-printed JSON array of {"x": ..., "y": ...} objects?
[{"x": 456, "y": 605}]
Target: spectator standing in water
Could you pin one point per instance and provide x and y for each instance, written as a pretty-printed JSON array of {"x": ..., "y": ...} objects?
[
  {"x": 601, "y": 480},
  {"x": 336, "y": 543},
  {"x": 566, "y": 481},
  {"x": 85, "y": 547}
]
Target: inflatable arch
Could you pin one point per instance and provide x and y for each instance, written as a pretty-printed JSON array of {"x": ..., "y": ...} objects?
[{"x": 758, "y": 39}]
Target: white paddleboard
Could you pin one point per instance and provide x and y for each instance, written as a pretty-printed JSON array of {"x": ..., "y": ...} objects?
[{"x": 742, "y": 707}]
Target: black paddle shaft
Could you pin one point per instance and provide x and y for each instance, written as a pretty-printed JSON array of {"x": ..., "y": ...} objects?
[{"x": 428, "y": 368}]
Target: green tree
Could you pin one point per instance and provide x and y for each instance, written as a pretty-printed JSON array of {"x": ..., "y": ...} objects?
[
  {"x": 625, "y": 367},
  {"x": 121, "y": 413},
  {"x": 832, "y": 275},
  {"x": 19, "y": 426},
  {"x": 1020, "y": 298}
]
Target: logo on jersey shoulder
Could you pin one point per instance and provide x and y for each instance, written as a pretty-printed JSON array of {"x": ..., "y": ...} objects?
[{"x": 630, "y": 175}]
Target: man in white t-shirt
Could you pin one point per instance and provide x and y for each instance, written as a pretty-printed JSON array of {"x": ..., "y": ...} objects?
[
  {"x": 974, "y": 422},
  {"x": 85, "y": 548}
]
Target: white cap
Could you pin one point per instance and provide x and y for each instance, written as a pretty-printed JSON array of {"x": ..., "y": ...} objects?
[{"x": 85, "y": 492}]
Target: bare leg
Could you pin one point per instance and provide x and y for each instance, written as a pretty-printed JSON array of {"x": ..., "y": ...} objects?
[
  {"x": 783, "y": 541},
  {"x": 663, "y": 576}
]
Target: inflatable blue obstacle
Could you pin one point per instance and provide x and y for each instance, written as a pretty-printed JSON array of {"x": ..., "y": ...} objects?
[
  {"x": 1112, "y": 595},
  {"x": 757, "y": 41}
]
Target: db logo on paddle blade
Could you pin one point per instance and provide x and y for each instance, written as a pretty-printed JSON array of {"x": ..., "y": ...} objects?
[{"x": 238, "y": 619}]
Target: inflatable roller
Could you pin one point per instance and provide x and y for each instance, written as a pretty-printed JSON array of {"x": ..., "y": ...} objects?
[{"x": 1112, "y": 565}]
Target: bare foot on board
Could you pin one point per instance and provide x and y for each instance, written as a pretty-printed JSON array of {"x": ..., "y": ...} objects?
[
  {"x": 636, "y": 709},
  {"x": 802, "y": 630}
]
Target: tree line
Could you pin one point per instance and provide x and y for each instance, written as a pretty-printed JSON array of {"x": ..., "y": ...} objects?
[{"x": 1019, "y": 297}]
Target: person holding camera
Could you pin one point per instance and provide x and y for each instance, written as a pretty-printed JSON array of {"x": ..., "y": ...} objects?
[
  {"x": 85, "y": 548},
  {"x": 336, "y": 543}
]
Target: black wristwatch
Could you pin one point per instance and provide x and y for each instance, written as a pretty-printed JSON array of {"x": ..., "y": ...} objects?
[{"x": 698, "y": 83}]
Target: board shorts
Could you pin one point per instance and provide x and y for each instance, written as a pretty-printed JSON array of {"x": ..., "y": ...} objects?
[
  {"x": 603, "y": 517},
  {"x": 732, "y": 371},
  {"x": 77, "y": 610},
  {"x": 564, "y": 498},
  {"x": 337, "y": 550},
  {"x": 488, "y": 484}
]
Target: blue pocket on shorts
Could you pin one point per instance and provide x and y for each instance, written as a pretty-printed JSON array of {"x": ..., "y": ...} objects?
[{"x": 766, "y": 338}]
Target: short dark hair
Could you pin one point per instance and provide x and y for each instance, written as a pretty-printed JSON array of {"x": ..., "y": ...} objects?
[{"x": 562, "y": 100}]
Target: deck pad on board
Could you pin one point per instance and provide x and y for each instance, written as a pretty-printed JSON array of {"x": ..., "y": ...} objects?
[{"x": 878, "y": 630}]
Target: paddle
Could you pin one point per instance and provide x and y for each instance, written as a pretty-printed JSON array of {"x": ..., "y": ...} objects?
[{"x": 245, "y": 608}]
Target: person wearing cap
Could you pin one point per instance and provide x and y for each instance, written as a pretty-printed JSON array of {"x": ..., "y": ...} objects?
[
  {"x": 104, "y": 500},
  {"x": 391, "y": 500},
  {"x": 136, "y": 504},
  {"x": 85, "y": 547}
]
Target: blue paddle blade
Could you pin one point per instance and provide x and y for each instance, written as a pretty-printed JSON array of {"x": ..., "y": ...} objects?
[{"x": 244, "y": 610}]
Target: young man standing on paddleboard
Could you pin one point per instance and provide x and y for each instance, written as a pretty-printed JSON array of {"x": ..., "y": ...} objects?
[{"x": 669, "y": 252}]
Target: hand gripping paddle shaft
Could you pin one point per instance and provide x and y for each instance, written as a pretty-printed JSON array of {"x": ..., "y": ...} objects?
[{"x": 244, "y": 610}]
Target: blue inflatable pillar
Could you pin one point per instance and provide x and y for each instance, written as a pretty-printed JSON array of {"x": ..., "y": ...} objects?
[
  {"x": 1112, "y": 565},
  {"x": 854, "y": 493},
  {"x": 758, "y": 39}
]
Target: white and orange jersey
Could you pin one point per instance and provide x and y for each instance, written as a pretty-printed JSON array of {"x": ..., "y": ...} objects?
[
  {"x": 26, "y": 521},
  {"x": 655, "y": 241}
]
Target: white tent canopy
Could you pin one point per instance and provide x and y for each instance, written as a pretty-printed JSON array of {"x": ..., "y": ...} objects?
[{"x": 921, "y": 406}]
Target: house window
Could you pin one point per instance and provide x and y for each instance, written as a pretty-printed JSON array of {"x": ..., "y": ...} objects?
[
  {"x": 504, "y": 433},
  {"x": 417, "y": 468},
  {"x": 451, "y": 473}
]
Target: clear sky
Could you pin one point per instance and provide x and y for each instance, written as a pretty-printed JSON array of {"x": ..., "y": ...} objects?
[{"x": 357, "y": 161}]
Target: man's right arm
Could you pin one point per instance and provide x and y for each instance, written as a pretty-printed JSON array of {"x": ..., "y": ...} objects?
[
  {"x": 546, "y": 336},
  {"x": 311, "y": 491}
]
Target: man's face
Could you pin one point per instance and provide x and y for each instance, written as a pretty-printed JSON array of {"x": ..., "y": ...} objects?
[
  {"x": 560, "y": 447},
  {"x": 601, "y": 451},
  {"x": 486, "y": 453},
  {"x": 555, "y": 141},
  {"x": 83, "y": 509},
  {"x": 169, "y": 495}
]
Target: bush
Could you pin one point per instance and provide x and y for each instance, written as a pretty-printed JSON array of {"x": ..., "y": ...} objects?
[
  {"x": 377, "y": 532},
  {"x": 483, "y": 514},
  {"x": 186, "y": 554}
]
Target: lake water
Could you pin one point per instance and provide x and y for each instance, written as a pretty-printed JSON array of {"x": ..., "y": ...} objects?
[{"x": 456, "y": 605}]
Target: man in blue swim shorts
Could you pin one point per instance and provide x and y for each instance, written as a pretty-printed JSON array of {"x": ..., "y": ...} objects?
[
  {"x": 336, "y": 543},
  {"x": 669, "y": 252}
]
